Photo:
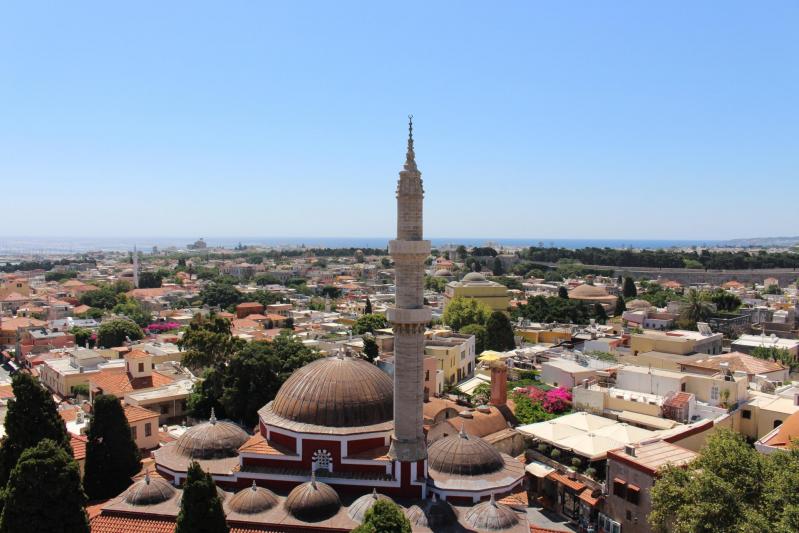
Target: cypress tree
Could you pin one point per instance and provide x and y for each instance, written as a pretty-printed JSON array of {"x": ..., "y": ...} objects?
[
  {"x": 368, "y": 309},
  {"x": 200, "y": 508},
  {"x": 620, "y": 306},
  {"x": 499, "y": 332},
  {"x": 629, "y": 289},
  {"x": 563, "y": 292},
  {"x": 31, "y": 417},
  {"x": 43, "y": 494},
  {"x": 112, "y": 457},
  {"x": 599, "y": 313},
  {"x": 370, "y": 349}
]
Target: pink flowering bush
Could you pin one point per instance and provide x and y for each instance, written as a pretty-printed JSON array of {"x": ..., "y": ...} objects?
[
  {"x": 557, "y": 400},
  {"x": 160, "y": 327}
]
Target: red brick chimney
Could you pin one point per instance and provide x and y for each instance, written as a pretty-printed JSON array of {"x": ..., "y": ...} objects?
[{"x": 499, "y": 383}]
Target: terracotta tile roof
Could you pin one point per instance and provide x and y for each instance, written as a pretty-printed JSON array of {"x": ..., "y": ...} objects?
[
  {"x": 127, "y": 524},
  {"x": 68, "y": 414},
  {"x": 564, "y": 480},
  {"x": 738, "y": 362},
  {"x": 258, "y": 444},
  {"x": 134, "y": 413},
  {"x": 516, "y": 499},
  {"x": 587, "y": 497},
  {"x": 375, "y": 454},
  {"x": 137, "y": 354},
  {"x": 6, "y": 392},
  {"x": 788, "y": 430},
  {"x": 78, "y": 443},
  {"x": 250, "y": 305},
  {"x": 117, "y": 381},
  {"x": 11, "y": 324}
]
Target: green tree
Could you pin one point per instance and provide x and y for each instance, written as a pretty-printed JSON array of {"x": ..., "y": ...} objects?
[
  {"x": 115, "y": 332},
  {"x": 461, "y": 312},
  {"x": 367, "y": 310},
  {"x": 480, "y": 334},
  {"x": 331, "y": 292},
  {"x": 725, "y": 301},
  {"x": 103, "y": 298},
  {"x": 60, "y": 276},
  {"x": 223, "y": 295},
  {"x": 629, "y": 290},
  {"x": 112, "y": 457},
  {"x": 563, "y": 292},
  {"x": 265, "y": 297},
  {"x": 43, "y": 493},
  {"x": 150, "y": 280},
  {"x": 724, "y": 489},
  {"x": 696, "y": 308},
  {"x": 254, "y": 374},
  {"x": 599, "y": 313},
  {"x": 497, "y": 268},
  {"x": 200, "y": 507},
  {"x": 435, "y": 284},
  {"x": 384, "y": 517},
  {"x": 499, "y": 332},
  {"x": 461, "y": 252},
  {"x": 621, "y": 306},
  {"x": 368, "y": 324},
  {"x": 31, "y": 417},
  {"x": 266, "y": 279},
  {"x": 132, "y": 309},
  {"x": 370, "y": 349},
  {"x": 83, "y": 336},
  {"x": 208, "y": 342},
  {"x": 772, "y": 353}
]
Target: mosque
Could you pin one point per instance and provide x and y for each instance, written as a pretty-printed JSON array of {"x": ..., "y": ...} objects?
[{"x": 339, "y": 436}]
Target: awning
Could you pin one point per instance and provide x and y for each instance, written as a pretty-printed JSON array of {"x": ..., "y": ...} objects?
[
  {"x": 491, "y": 355},
  {"x": 647, "y": 420},
  {"x": 538, "y": 469}
]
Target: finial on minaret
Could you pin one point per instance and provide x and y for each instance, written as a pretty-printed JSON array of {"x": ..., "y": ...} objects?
[
  {"x": 147, "y": 478},
  {"x": 313, "y": 478},
  {"x": 212, "y": 420},
  {"x": 463, "y": 431},
  {"x": 254, "y": 486},
  {"x": 493, "y": 500},
  {"x": 410, "y": 157}
]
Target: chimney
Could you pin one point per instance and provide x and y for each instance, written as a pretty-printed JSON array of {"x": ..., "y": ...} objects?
[
  {"x": 499, "y": 383},
  {"x": 426, "y": 394},
  {"x": 629, "y": 450}
]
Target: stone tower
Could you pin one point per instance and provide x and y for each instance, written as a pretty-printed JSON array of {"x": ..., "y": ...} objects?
[{"x": 409, "y": 317}]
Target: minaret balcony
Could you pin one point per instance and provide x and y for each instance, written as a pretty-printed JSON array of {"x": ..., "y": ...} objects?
[
  {"x": 397, "y": 247},
  {"x": 397, "y": 315}
]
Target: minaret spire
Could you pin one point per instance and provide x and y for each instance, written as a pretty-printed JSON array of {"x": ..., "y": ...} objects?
[{"x": 410, "y": 157}]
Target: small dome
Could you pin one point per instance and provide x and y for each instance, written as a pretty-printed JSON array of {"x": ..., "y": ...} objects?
[
  {"x": 443, "y": 273},
  {"x": 491, "y": 516},
  {"x": 587, "y": 291},
  {"x": 336, "y": 392},
  {"x": 474, "y": 277},
  {"x": 357, "y": 510},
  {"x": 252, "y": 500},
  {"x": 431, "y": 514},
  {"x": 211, "y": 440},
  {"x": 464, "y": 455},
  {"x": 149, "y": 491},
  {"x": 312, "y": 501},
  {"x": 638, "y": 304}
]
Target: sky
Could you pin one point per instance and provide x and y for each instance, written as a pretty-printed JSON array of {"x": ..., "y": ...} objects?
[{"x": 668, "y": 120}]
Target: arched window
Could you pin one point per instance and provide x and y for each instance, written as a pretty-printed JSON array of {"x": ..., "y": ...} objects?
[{"x": 321, "y": 460}]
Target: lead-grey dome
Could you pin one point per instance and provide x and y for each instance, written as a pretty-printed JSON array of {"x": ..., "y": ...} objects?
[
  {"x": 149, "y": 491},
  {"x": 474, "y": 277},
  {"x": 211, "y": 440},
  {"x": 491, "y": 516},
  {"x": 464, "y": 455},
  {"x": 312, "y": 501},
  {"x": 357, "y": 510},
  {"x": 336, "y": 392},
  {"x": 433, "y": 513},
  {"x": 252, "y": 500}
]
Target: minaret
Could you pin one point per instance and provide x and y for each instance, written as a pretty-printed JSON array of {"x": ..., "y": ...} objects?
[
  {"x": 135, "y": 268},
  {"x": 409, "y": 316}
]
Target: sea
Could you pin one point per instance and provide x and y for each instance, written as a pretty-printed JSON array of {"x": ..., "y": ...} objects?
[{"x": 10, "y": 246}]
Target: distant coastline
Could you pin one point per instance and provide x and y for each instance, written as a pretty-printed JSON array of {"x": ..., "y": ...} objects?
[{"x": 66, "y": 245}]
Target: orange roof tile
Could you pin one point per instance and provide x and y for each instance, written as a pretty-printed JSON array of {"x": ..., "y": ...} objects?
[
  {"x": 105, "y": 523},
  {"x": 587, "y": 497},
  {"x": 6, "y": 392},
  {"x": 78, "y": 443},
  {"x": 258, "y": 444},
  {"x": 564, "y": 480},
  {"x": 134, "y": 413},
  {"x": 117, "y": 381}
]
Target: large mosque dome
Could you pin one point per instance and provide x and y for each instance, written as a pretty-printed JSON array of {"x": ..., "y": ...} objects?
[{"x": 336, "y": 392}]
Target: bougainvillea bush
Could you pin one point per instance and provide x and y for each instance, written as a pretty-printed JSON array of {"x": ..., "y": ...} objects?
[{"x": 160, "y": 327}]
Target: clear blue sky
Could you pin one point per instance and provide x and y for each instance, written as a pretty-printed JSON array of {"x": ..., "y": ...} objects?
[{"x": 552, "y": 120}]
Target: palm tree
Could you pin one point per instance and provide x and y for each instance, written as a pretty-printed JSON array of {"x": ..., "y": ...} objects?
[{"x": 696, "y": 308}]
